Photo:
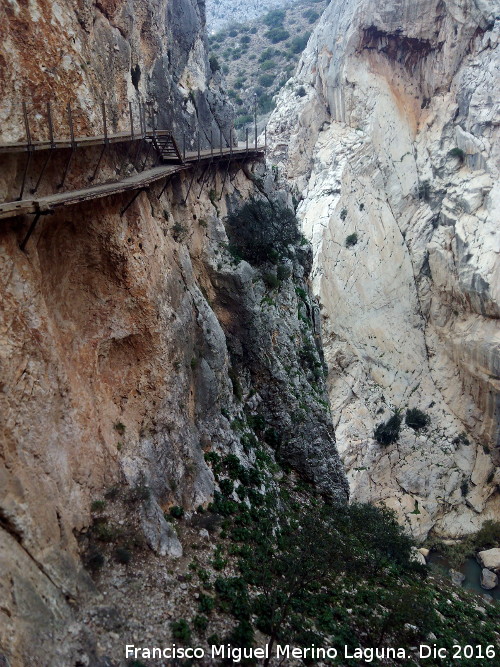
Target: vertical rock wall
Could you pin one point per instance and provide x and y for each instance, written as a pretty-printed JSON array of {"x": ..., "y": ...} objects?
[
  {"x": 121, "y": 335},
  {"x": 394, "y": 155}
]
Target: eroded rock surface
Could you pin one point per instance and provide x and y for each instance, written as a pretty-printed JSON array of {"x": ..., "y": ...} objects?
[
  {"x": 394, "y": 155},
  {"x": 125, "y": 329}
]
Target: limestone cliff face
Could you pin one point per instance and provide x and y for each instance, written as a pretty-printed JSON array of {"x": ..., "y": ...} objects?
[
  {"x": 393, "y": 148},
  {"x": 131, "y": 343},
  {"x": 84, "y": 52}
]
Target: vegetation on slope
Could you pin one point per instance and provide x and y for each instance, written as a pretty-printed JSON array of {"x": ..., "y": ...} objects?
[
  {"x": 258, "y": 58},
  {"x": 282, "y": 564}
]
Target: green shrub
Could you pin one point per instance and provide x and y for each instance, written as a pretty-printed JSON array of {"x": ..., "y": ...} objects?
[
  {"x": 266, "y": 80},
  {"x": 241, "y": 121},
  {"x": 301, "y": 92},
  {"x": 274, "y": 18},
  {"x": 120, "y": 428},
  {"x": 265, "y": 103},
  {"x": 261, "y": 231},
  {"x": 268, "y": 54},
  {"x": 98, "y": 505},
  {"x": 181, "y": 631},
  {"x": 267, "y": 65},
  {"x": 123, "y": 555},
  {"x": 95, "y": 560},
  {"x": 276, "y": 35},
  {"x": 138, "y": 493},
  {"x": 351, "y": 240},
  {"x": 417, "y": 419},
  {"x": 311, "y": 15},
  {"x": 271, "y": 280},
  {"x": 176, "y": 512},
  {"x": 283, "y": 272},
  {"x": 458, "y": 153},
  {"x": 343, "y": 214},
  {"x": 200, "y": 623},
  {"x": 388, "y": 432},
  {"x": 298, "y": 44},
  {"x": 488, "y": 536},
  {"x": 214, "y": 64},
  {"x": 226, "y": 487},
  {"x": 205, "y": 603}
]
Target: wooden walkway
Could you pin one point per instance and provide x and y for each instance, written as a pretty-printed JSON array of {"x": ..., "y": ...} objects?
[{"x": 142, "y": 180}]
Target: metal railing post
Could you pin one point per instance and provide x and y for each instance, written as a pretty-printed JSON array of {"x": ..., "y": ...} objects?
[
  {"x": 199, "y": 146},
  {"x": 51, "y": 125},
  {"x": 211, "y": 143},
  {"x": 29, "y": 147},
  {"x": 221, "y": 142},
  {"x": 247, "y": 138},
  {"x": 70, "y": 123},
  {"x": 131, "y": 114},
  {"x": 184, "y": 145},
  {"x": 52, "y": 147},
  {"x": 105, "y": 122},
  {"x": 27, "y": 125}
]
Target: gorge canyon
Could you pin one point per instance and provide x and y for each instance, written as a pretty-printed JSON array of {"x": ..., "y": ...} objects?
[{"x": 142, "y": 350}]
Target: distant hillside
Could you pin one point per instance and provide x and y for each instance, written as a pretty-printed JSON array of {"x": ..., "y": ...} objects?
[
  {"x": 258, "y": 57},
  {"x": 221, "y": 13}
]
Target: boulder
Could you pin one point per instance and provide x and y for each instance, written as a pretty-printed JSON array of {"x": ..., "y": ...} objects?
[
  {"x": 418, "y": 557},
  {"x": 457, "y": 578},
  {"x": 490, "y": 559},
  {"x": 424, "y": 552},
  {"x": 489, "y": 579}
]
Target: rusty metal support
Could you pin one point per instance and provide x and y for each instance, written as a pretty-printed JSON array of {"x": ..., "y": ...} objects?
[
  {"x": 30, "y": 230},
  {"x": 45, "y": 164},
  {"x": 132, "y": 200},
  {"x": 164, "y": 187},
  {"x": 225, "y": 178},
  {"x": 190, "y": 186},
  {"x": 139, "y": 148},
  {"x": 204, "y": 178},
  {"x": 147, "y": 156}
]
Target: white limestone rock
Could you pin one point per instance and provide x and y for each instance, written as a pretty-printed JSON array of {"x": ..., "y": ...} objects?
[
  {"x": 490, "y": 559},
  {"x": 489, "y": 579},
  {"x": 395, "y": 147}
]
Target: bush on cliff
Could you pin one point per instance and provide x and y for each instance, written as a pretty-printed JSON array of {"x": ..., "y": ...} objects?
[
  {"x": 261, "y": 231},
  {"x": 388, "y": 432},
  {"x": 416, "y": 419}
]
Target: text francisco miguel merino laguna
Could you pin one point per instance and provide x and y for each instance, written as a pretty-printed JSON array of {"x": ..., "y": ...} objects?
[{"x": 227, "y": 651}]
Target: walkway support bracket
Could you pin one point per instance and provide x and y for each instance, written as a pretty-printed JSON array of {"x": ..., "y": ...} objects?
[{"x": 124, "y": 210}]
